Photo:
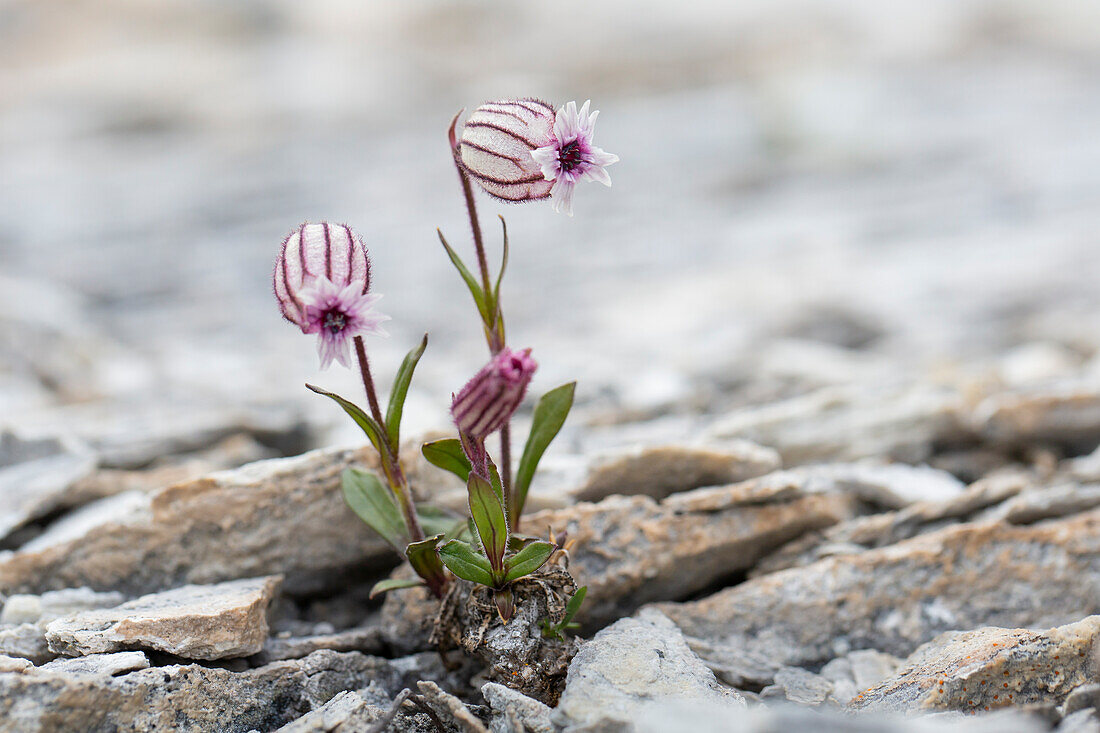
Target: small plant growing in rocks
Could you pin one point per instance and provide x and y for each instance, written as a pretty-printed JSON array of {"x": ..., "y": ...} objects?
[{"x": 516, "y": 151}]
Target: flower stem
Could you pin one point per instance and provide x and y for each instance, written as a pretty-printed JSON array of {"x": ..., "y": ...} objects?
[
  {"x": 493, "y": 331},
  {"x": 390, "y": 463}
]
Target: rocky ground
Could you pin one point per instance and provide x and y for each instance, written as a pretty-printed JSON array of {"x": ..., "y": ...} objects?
[{"x": 835, "y": 458}]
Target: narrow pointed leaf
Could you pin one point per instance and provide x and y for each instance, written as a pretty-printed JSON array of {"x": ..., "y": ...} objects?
[
  {"x": 375, "y": 505},
  {"x": 573, "y": 606},
  {"x": 532, "y": 557},
  {"x": 498, "y": 313},
  {"x": 400, "y": 391},
  {"x": 461, "y": 560},
  {"x": 481, "y": 298},
  {"x": 369, "y": 425},
  {"x": 448, "y": 455},
  {"x": 487, "y": 511},
  {"x": 389, "y": 584},
  {"x": 424, "y": 559},
  {"x": 434, "y": 520},
  {"x": 550, "y": 413}
]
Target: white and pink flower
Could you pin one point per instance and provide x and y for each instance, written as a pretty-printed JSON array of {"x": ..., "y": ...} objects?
[
  {"x": 570, "y": 156},
  {"x": 321, "y": 280}
]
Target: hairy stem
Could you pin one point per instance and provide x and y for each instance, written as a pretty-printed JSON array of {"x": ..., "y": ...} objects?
[{"x": 390, "y": 464}]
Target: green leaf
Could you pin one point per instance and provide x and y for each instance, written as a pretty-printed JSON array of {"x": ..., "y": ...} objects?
[
  {"x": 424, "y": 559},
  {"x": 500, "y": 273},
  {"x": 448, "y": 455},
  {"x": 461, "y": 560},
  {"x": 573, "y": 606},
  {"x": 400, "y": 391},
  {"x": 481, "y": 299},
  {"x": 487, "y": 511},
  {"x": 393, "y": 584},
  {"x": 369, "y": 425},
  {"x": 434, "y": 520},
  {"x": 532, "y": 557},
  {"x": 375, "y": 505},
  {"x": 550, "y": 413}
]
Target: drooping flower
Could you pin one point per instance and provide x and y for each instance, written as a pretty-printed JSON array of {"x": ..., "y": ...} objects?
[
  {"x": 496, "y": 146},
  {"x": 492, "y": 396},
  {"x": 570, "y": 156},
  {"x": 321, "y": 280}
]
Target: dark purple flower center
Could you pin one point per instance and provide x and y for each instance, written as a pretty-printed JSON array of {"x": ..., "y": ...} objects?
[
  {"x": 570, "y": 156},
  {"x": 334, "y": 321}
]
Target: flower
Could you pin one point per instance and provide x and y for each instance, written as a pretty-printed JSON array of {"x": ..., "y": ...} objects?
[
  {"x": 496, "y": 146},
  {"x": 321, "y": 281},
  {"x": 571, "y": 156},
  {"x": 489, "y": 399}
]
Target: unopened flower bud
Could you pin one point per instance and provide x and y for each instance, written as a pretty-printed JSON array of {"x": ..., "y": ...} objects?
[
  {"x": 489, "y": 399},
  {"x": 496, "y": 146},
  {"x": 321, "y": 281}
]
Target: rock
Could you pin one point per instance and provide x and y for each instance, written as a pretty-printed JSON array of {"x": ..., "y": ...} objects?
[
  {"x": 53, "y": 604},
  {"x": 1067, "y": 415},
  {"x": 630, "y": 665},
  {"x": 889, "y": 485},
  {"x": 35, "y": 475},
  {"x": 192, "y": 697},
  {"x": 234, "y": 451},
  {"x": 1046, "y": 503},
  {"x": 898, "y": 597},
  {"x": 1083, "y": 697},
  {"x": 194, "y": 622},
  {"x": 347, "y": 712},
  {"x": 15, "y": 664},
  {"x": 798, "y": 686},
  {"x": 849, "y": 423},
  {"x": 224, "y": 526},
  {"x": 514, "y": 711},
  {"x": 368, "y": 639},
  {"x": 450, "y": 708},
  {"x": 703, "y": 717},
  {"x": 991, "y": 668},
  {"x": 632, "y": 550},
  {"x": 887, "y": 528},
  {"x": 98, "y": 664},
  {"x": 1083, "y": 721},
  {"x": 662, "y": 470},
  {"x": 27, "y": 641}
]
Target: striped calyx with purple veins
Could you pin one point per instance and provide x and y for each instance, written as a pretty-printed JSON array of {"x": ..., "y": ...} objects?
[
  {"x": 321, "y": 281},
  {"x": 492, "y": 396},
  {"x": 496, "y": 146}
]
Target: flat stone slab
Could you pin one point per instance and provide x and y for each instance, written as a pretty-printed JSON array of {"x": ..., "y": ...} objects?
[
  {"x": 280, "y": 516},
  {"x": 990, "y": 668},
  {"x": 896, "y": 598},
  {"x": 194, "y": 622}
]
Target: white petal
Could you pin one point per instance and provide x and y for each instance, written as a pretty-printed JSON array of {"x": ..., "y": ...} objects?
[
  {"x": 598, "y": 174},
  {"x": 602, "y": 158},
  {"x": 561, "y": 196}
]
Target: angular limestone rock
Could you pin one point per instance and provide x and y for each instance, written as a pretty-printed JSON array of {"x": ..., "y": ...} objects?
[
  {"x": 632, "y": 550},
  {"x": 186, "y": 697},
  {"x": 895, "y": 598},
  {"x": 367, "y": 639},
  {"x": 512, "y": 710},
  {"x": 35, "y": 475},
  {"x": 194, "y": 622},
  {"x": 991, "y": 668},
  {"x": 22, "y": 609},
  {"x": 634, "y": 663},
  {"x": 658, "y": 471},
  {"x": 278, "y": 516},
  {"x": 107, "y": 665},
  {"x": 1067, "y": 415}
]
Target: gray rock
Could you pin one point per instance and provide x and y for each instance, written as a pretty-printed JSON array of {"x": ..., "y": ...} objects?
[
  {"x": 631, "y": 550},
  {"x": 98, "y": 664},
  {"x": 630, "y": 665},
  {"x": 27, "y": 641},
  {"x": 514, "y": 711},
  {"x": 192, "y": 697},
  {"x": 990, "y": 668},
  {"x": 849, "y": 423},
  {"x": 895, "y": 598},
  {"x": 703, "y": 717},
  {"x": 855, "y": 672},
  {"x": 278, "y": 516},
  {"x": 658, "y": 471},
  {"x": 35, "y": 475},
  {"x": 1083, "y": 721},
  {"x": 194, "y": 622},
  {"x": 1083, "y": 697},
  {"x": 1046, "y": 503},
  {"x": 1067, "y": 414},
  {"x": 799, "y": 686},
  {"x": 368, "y": 639},
  {"x": 21, "y": 608},
  {"x": 347, "y": 712},
  {"x": 450, "y": 708}
]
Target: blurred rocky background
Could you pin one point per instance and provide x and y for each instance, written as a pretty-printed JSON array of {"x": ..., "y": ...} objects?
[{"x": 857, "y": 239}]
